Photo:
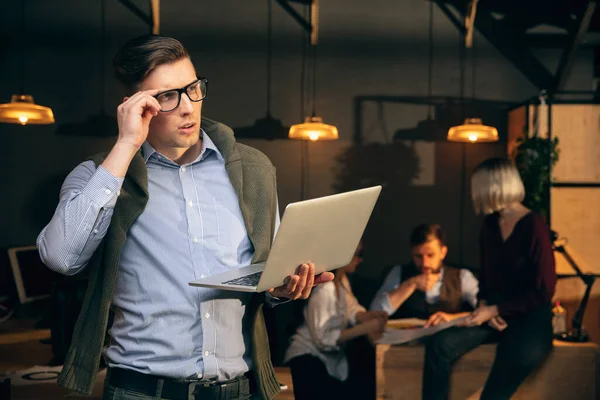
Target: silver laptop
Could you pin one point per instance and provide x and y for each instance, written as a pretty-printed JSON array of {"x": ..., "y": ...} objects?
[{"x": 324, "y": 231}]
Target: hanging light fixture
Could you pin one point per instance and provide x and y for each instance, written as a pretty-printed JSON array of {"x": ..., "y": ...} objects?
[
  {"x": 267, "y": 127},
  {"x": 21, "y": 109},
  {"x": 313, "y": 127},
  {"x": 473, "y": 130}
]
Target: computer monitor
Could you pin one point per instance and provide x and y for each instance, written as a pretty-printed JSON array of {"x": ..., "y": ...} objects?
[{"x": 32, "y": 278}]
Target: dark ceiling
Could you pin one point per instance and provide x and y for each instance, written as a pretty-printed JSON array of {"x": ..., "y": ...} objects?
[{"x": 517, "y": 27}]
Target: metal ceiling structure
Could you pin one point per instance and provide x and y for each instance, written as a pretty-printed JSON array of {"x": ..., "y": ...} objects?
[
  {"x": 510, "y": 26},
  {"x": 152, "y": 20}
]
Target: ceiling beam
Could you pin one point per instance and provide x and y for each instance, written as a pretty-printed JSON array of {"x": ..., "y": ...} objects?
[
  {"x": 470, "y": 23},
  {"x": 512, "y": 45},
  {"x": 577, "y": 35},
  {"x": 152, "y": 20},
  {"x": 155, "y": 15},
  {"x": 312, "y": 25},
  {"x": 451, "y": 16}
]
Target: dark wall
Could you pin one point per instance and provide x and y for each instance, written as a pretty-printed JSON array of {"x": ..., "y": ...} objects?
[{"x": 366, "y": 48}]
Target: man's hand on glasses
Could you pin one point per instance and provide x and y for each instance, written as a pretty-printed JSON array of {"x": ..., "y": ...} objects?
[{"x": 134, "y": 115}]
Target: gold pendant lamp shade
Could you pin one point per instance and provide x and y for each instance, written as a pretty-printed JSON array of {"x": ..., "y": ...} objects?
[
  {"x": 22, "y": 110},
  {"x": 472, "y": 131},
  {"x": 313, "y": 129}
]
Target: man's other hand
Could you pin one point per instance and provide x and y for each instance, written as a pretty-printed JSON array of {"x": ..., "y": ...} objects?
[
  {"x": 438, "y": 318},
  {"x": 425, "y": 282}
]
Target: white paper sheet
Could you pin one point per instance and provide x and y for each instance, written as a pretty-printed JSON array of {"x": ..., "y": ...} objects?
[{"x": 399, "y": 336}]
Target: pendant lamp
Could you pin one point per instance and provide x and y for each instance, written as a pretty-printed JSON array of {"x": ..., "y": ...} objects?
[
  {"x": 313, "y": 128},
  {"x": 473, "y": 130},
  {"x": 21, "y": 109}
]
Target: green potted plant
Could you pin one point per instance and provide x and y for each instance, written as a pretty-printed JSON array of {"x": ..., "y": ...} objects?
[{"x": 531, "y": 158}]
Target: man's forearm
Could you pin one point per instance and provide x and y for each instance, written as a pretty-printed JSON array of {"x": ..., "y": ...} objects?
[
  {"x": 399, "y": 295},
  {"x": 118, "y": 160},
  {"x": 81, "y": 219}
]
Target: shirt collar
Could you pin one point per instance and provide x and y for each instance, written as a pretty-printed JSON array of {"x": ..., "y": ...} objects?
[{"x": 208, "y": 146}]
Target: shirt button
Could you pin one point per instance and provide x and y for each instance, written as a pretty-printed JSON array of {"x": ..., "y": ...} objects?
[
  {"x": 118, "y": 192},
  {"x": 107, "y": 191},
  {"x": 199, "y": 375},
  {"x": 191, "y": 203},
  {"x": 95, "y": 230},
  {"x": 207, "y": 315},
  {"x": 206, "y": 353},
  {"x": 195, "y": 240},
  {"x": 182, "y": 169},
  {"x": 202, "y": 276}
]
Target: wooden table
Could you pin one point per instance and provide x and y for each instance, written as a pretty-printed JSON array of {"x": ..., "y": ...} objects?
[{"x": 570, "y": 372}]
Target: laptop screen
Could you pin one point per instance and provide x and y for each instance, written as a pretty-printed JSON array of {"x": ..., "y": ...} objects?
[{"x": 32, "y": 278}]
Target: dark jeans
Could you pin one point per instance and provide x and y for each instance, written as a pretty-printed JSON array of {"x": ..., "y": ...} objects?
[
  {"x": 522, "y": 346},
  {"x": 312, "y": 382}
]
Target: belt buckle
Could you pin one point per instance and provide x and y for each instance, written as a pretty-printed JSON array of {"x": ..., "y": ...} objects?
[{"x": 194, "y": 384}]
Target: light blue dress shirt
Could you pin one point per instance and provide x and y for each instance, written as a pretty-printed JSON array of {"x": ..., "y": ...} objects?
[
  {"x": 191, "y": 227},
  {"x": 381, "y": 301}
]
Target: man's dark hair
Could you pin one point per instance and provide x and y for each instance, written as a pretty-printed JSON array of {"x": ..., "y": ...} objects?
[
  {"x": 138, "y": 57},
  {"x": 425, "y": 233}
]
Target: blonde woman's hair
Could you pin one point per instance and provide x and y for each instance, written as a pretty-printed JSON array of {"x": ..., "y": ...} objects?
[{"x": 495, "y": 184}]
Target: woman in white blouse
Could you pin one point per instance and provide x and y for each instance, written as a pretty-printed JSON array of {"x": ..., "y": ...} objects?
[{"x": 332, "y": 317}]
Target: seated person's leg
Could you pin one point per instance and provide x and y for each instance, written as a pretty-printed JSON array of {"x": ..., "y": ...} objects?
[
  {"x": 441, "y": 351},
  {"x": 361, "y": 362},
  {"x": 311, "y": 380},
  {"x": 523, "y": 346}
]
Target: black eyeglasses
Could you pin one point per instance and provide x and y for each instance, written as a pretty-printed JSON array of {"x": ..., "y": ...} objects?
[{"x": 170, "y": 99}]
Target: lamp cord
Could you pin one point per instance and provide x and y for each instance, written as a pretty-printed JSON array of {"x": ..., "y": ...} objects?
[
  {"x": 314, "y": 80},
  {"x": 269, "y": 48},
  {"x": 22, "y": 66},
  {"x": 430, "y": 64},
  {"x": 303, "y": 143},
  {"x": 102, "y": 45},
  {"x": 473, "y": 71},
  {"x": 463, "y": 167}
]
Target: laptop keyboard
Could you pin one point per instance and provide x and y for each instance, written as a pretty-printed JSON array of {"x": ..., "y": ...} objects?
[{"x": 248, "y": 280}]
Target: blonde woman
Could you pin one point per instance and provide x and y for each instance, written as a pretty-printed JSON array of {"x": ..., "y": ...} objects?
[
  {"x": 516, "y": 285},
  {"x": 332, "y": 318}
]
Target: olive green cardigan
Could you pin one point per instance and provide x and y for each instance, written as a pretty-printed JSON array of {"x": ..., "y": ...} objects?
[{"x": 253, "y": 178}]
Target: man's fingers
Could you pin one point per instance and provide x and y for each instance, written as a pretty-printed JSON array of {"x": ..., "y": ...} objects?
[
  {"x": 310, "y": 281},
  {"x": 291, "y": 286},
  {"x": 142, "y": 102},
  {"x": 302, "y": 276}
]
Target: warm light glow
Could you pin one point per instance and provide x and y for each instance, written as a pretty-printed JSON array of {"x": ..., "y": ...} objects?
[
  {"x": 313, "y": 129},
  {"x": 473, "y": 131},
  {"x": 22, "y": 110}
]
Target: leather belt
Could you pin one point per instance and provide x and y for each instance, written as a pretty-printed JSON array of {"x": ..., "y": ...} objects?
[{"x": 238, "y": 388}]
